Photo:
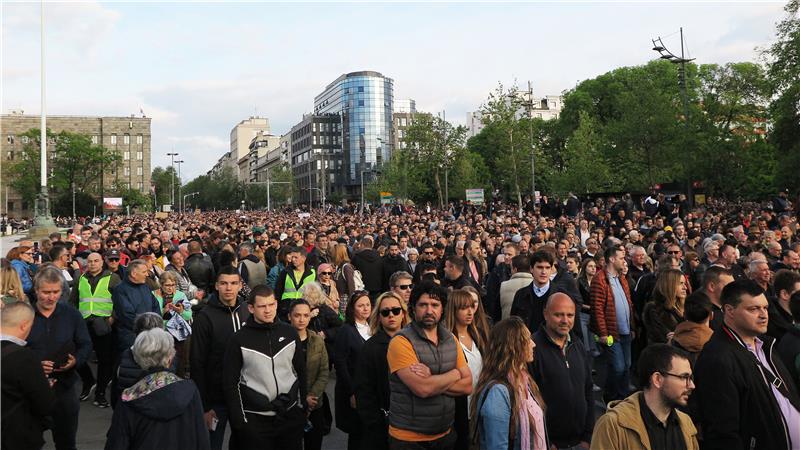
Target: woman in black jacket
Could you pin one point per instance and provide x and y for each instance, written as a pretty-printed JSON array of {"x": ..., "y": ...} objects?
[
  {"x": 372, "y": 373},
  {"x": 349, "y": 342},
  {"x": 662, "y": 314},
  {"x": 324, "y": 319}
]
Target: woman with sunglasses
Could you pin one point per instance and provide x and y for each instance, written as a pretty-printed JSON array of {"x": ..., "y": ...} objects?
[
  {"x": 372, "y": 373},
  {"x": 349, "y": 341},
  {"x": 325, "y": 278},
  {"x": 22, "y": 261}
]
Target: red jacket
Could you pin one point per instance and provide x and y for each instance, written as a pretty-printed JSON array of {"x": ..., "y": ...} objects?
[{"x": 604, "y": 312}]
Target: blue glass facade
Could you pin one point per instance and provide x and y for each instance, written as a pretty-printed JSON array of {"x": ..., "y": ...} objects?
[{"x": 365, "y": 101}]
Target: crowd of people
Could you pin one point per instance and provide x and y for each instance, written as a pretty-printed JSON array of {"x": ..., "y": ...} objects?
[{"x": 602, "y": 324}]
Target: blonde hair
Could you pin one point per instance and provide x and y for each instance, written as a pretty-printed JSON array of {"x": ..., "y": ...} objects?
[
  {"x": 340, "y": 255},
  {"x": 374, "y": 317},
  {"x": 313, "y": 294},
  {"x": 9, "y": 281},
  {"x": 479, "y": 328}
]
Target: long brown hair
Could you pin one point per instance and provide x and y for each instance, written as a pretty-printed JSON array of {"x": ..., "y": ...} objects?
[
  {"x": 340, "y": 255},
  {"x": 666, "y": 290},
  {"x": 479, "y": 328},
  {"x": 505, "y": 362}
]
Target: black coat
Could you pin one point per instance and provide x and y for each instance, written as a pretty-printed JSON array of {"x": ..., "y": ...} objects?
[
  {"x": 328, "y": 322},
  {"x": 348, "y": 348},
  {"x": 392, "y": 265},
  {"x": 565, "y": 379},
  {"x": 491, "y": 302},
  {"x": 200, "y": 271},
  {"x": 212, "y": 328},
  {"x": 27, "y": 398},
  {"x": 531, "y": 310},
  {"x": 370, "y": 264},
  {"x": 780, "y": 321},
  {"x": 170, "y": 417},
  {"x": 372, "y": 391},
  {"x": 789, "y": 350},
  {"x": 732, "y": 402}
]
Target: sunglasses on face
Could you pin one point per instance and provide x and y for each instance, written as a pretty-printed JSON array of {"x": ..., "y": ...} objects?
[
  {"x": 403, "y": 287},
  {"x": 393, "y": 311},
  {"x": 326, "y": 273}
]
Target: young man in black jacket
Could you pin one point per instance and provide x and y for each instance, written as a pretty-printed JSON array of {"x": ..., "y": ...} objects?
[
  {"x": 562, "y": 370},
  {"x": 264, "y": 379},
  {"x": 26, "y": 395},
  {"x": 212, "y": 328},
  {"x": 745, "y": 397}
]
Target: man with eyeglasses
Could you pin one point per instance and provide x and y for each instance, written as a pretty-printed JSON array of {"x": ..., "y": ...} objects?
[
  {"x": 401, "y": 284},
  {"x": 112, "y": 260},
  {"x": 650, "y": 419}
]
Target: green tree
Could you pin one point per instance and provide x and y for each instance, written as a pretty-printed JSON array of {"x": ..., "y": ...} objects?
[
  {"x": 161, "y": 178},
  {"x": 24, "y": 173},
  {"x": 783, "y": 71},
  {"x": 585, "y": 168},
  {"x": 78, "y": 162}
]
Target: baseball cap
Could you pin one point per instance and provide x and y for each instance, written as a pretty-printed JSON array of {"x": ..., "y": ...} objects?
[{"x": 112, "y": 254}]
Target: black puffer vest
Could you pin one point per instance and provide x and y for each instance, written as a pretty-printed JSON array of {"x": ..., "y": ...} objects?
[{"x": 433, "y": 415}]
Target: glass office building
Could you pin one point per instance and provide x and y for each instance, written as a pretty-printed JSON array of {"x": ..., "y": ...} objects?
[{"x": 365, "y": 102}]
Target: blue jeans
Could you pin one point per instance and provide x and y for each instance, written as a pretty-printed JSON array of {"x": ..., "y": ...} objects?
[
  {"x": 619, "y": 366},
  {"x": 217, "y": 437}
]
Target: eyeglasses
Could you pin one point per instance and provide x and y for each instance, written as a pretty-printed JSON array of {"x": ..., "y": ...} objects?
[
  {"x": 113, "y": 260},
  {"x": 674, "y": 252},
  {"x": 28, "y": 253},
  {"x": 326, "y": 273},
  {"x": 427, "y": 253},
  {"x": 687, "y": 377},
  {"x": 403, "y": 287},
  {"x": 168, "y": 285},
  {"x": 393, "y": 311}
]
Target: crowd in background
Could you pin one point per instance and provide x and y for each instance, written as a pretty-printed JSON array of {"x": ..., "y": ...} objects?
[{"x": 568, "y": 324}]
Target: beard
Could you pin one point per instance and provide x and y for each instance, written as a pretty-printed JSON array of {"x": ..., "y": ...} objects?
[{"x": 429, "y": 322}]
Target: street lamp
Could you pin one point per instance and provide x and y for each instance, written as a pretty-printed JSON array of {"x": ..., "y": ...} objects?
[
  {"x": 172, "y": 194},
  {"x": 180, "y": 184},
  {"x": 188, "y": 196},
  {"x": 658, "y": 46},
  {"x": 321, "y": 193}
]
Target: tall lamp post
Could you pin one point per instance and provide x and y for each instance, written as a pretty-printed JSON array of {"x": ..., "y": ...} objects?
[
  {"x": 172, "y": 194},
  {"x": 528, "y": 103},
  {"x": 44, "y": 224},
  {"x": 658, "y": 46},
  {"x": 180, "y": 185}
]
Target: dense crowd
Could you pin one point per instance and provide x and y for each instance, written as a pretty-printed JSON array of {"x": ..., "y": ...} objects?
[{"x": 569, "y": 324}]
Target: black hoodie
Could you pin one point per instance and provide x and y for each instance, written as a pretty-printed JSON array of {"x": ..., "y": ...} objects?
[
  {"x": 265, "y": 373},
  {"x": 370, "y": 264},
  {"x": 212, "y": 329}
]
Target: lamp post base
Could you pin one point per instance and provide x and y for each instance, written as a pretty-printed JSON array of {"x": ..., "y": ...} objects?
[{"x": 43, "y": 222}]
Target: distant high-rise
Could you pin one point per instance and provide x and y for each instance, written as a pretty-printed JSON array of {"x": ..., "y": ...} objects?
[{"x": 365, "y": 101}]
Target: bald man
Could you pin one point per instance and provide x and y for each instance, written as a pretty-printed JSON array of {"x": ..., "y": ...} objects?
[
  {"x": 25, "y": 389},
  {"x": 563, "y": 371}
]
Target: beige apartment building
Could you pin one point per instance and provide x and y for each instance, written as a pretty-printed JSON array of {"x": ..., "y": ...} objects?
[{"x": 127, "y": 136}]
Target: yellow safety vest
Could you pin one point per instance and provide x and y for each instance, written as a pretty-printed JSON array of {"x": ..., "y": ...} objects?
[
  {"x": 97, "y": 303},
  {"x": 292, "y": 292}
]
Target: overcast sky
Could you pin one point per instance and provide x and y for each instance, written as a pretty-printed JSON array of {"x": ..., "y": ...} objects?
[{"x": 199, "y": 68}]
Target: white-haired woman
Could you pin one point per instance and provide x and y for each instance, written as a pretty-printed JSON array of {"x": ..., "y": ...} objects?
[
  {"x": 161, "y": 410},
  {"x": 324, "y": 318}
]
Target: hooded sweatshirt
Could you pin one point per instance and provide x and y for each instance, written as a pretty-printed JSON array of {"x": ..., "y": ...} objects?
[
  {"x": 691, "y": 337},
  {"x": 160, "y": 411}
]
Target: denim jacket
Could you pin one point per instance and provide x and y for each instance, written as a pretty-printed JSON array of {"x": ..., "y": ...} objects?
[{"x": 495, "y": 416}]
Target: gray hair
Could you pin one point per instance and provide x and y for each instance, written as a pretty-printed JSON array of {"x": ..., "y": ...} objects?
[
  {"x": 153, "y": 348},
  {"x": 247, "y": 246},
  {"x": 147, "y": 321},
  {"x": 48, "y": 274},
  {"x": 753, "y": 266},
  {"x": 313, "y": 294},
  {"x": 167, "y": 276},
  {"x": 133, "y": 265}
]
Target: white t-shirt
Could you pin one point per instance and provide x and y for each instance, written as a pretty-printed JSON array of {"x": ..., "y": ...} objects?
[{"x": 475, "y": 363}]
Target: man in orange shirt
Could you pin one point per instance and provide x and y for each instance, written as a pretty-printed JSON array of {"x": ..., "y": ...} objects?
[{"x": 427, "y": 369}]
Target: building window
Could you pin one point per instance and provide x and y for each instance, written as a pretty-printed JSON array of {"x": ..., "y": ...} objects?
[
  {"x": 126, "y": 139},
  {"x": 25, "y": 139},
  {"x": 139, "y": 156},
  {"x": 126, "y": 171},
  {"x": 139, "y": 139},
  {"x": 138, "y": 171},
  {"x": 10, "y": 155},
  {"x": 139, "y": 185},
  {"x": 95, "y": 139},
  {"x": 403, "y": 121},
  {"x": 361, "y": 89},
  {"x": 126, "y": 155},
  {"x": 10, "y": 138},
  {"x": 113, "y": 139},
  {"x": 361, "y": 103}
]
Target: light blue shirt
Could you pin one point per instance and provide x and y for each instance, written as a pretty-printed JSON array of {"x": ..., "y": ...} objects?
[
  {"x": 540, "y": 291},
  {"x": 621, "y": 306},
  {"x": 14, "y": 339}
]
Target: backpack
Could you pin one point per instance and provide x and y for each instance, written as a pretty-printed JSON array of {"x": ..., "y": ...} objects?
[{"x": 358, "y": 280}]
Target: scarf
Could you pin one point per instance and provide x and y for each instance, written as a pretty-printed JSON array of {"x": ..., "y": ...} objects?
[{"x": 530, "y": 410}]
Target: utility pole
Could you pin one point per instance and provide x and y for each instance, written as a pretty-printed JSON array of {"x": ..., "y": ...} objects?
[
  {"x": 533, "y": 150},
  {"x": 180, "y": 185},
  {"x": 172, "y": 194}
]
